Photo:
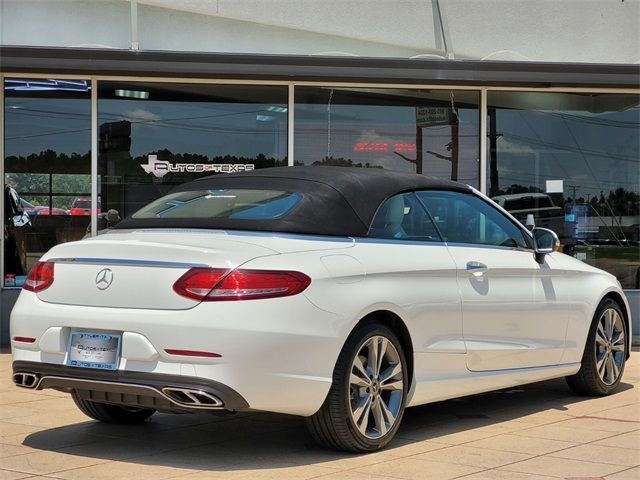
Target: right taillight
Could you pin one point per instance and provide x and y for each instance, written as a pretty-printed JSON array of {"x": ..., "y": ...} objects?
[
  {"x": 214, "y": 284},
  {"x": 40, "y": 277}
]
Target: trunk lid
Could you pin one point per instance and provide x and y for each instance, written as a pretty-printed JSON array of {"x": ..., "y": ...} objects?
[
  {"x": 133, "y": 271},
  {"x": 137, "y": 269}
]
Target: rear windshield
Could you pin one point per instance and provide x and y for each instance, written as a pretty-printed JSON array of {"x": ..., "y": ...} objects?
[
  {"x": 238, "y": 204},
  {"x": 82, "y": 204}
]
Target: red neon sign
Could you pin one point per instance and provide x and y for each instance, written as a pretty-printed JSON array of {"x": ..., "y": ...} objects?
[
  {"x": 370, "y": 147},
  {"x": 361, "y": 146},
  {"x": 405, "y": 147}
]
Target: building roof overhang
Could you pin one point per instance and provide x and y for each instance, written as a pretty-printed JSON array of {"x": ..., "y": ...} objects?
[{"x": 107, "y": 62}]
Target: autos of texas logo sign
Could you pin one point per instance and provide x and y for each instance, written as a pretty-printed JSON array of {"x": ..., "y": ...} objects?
[{"x": 160, "y": 168}]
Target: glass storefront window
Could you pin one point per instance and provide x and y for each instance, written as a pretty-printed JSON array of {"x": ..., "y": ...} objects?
[
  {"x": 433, "y": 132},
  {"x": 153, "y": 136},
  {"x": 47, "y": 143},
  {"x": 571, "y": 162}
]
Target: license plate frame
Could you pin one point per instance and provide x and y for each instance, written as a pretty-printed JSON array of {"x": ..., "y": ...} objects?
[{"x": 100, "y": 351}]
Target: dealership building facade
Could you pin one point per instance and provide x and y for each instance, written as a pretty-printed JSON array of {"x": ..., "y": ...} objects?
[{"x": 107, "y": 105}]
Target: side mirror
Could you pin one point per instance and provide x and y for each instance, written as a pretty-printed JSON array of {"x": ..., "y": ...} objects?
[{"x": 545, "y": 241}]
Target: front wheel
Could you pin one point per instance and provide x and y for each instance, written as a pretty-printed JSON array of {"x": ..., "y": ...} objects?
[
  {"x": 108, "y": 413},
  {"x": 604, "y": 354},
  {"x": 365, "y": 404}
]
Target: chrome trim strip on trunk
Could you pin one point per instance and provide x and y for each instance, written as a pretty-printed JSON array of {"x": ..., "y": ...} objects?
[{"x": 126, "y": 262}]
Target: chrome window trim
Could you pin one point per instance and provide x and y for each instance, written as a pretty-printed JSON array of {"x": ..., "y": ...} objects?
[
  {"x": 400, "y": 241},
  {"x": 436, "y": 243},
  {"x": 501, "y": 209},
  {"x": 486, "y": 245}
]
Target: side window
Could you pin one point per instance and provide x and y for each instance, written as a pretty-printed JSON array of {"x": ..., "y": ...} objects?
[
  {"x": 403, "y": 217},
  {"x": 465, "y": 218}
]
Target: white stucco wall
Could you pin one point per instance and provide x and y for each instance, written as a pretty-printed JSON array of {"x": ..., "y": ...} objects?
[
  {"x": 65, "y": 23},
  {"x": 601, "y": 31}
]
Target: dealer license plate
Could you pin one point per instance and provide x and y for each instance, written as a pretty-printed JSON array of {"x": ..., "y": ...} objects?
[{"x": 94, "y": 350}]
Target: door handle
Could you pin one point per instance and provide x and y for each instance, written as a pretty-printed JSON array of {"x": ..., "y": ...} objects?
[{"x": 476, "y": 268}]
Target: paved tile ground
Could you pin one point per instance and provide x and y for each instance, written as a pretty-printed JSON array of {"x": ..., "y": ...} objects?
[{"x": 539, "y": 431}]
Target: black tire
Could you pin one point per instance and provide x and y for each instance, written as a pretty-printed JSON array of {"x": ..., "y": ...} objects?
[
  {"x": 333, "y": 426},
  {"x": 108, "y": 413},
  {"x": 587, "y": 381}
]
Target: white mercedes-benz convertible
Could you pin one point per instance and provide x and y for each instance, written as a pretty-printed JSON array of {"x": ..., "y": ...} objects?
[{"x": 342, "y": 295}]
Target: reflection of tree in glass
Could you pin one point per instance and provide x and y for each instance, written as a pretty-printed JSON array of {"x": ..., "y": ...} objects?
[
  {"x": 49, "y": 161},
  {"x": 622, "y": 201},
  {"x": 47, "y": 176},
  {"x": 342, "y": 162}
]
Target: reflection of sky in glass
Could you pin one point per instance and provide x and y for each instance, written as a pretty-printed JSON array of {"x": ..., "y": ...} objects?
[
  {"x": 336, "y": 131},
  {"x": 596, "y": 152},
  {"x": 204, "y": 128},
  {"x": 36, "y": 124}
]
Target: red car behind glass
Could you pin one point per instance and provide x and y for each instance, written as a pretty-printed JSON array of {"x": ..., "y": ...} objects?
[
  {"x": 33, "y": 210},
  {"x": 82, "y": 206}
]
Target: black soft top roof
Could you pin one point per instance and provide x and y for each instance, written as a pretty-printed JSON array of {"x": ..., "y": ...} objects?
[{"x": 336, "y": 200}]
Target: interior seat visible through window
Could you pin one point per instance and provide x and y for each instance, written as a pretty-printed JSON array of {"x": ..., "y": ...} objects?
[{"x": 403, "y": 217}]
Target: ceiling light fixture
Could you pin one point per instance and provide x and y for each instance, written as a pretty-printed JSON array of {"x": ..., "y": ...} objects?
[{"x": 137, "y": 94}]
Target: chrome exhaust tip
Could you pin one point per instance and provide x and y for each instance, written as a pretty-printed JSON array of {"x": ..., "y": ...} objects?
[
  {"x": 25, "y": 379},
  {"x": 187, "y": 397}
]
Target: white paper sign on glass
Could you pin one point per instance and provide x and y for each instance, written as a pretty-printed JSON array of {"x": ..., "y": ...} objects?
[{"x": 555, "y": 186}]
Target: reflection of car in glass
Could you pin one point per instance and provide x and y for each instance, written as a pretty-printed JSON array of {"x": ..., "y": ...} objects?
[
  {"x": 82, "y": 206},
  {"x": 524, "y": 203},
  {"x": 33, "y": 210},
  {"x": 545, "y": 213},
  {"x": 342, "y": 295}
]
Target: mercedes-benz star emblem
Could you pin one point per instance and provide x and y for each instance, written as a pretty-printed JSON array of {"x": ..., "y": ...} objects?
[{"x": 104, "y": 279}]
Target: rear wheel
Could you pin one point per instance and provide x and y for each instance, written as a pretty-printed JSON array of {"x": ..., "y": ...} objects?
[
  {"x": 108, "y": 413},
  {"x": 365, "y": 404},
  {"x": 604, "y": 354}
]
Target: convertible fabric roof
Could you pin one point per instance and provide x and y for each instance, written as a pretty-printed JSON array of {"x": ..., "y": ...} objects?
[{"x": 337, "y": 201}]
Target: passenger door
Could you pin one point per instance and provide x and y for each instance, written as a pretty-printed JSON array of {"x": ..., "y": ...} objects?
[
  {"x": 513, "y": 312},
  {"x": 408, "y": 263}
]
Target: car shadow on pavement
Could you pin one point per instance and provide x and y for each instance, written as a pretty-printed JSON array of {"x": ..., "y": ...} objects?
[{"x": 253, "y": 441}]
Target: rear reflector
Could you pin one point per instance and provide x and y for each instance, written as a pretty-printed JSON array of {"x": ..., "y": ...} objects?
[
  {"x": 40, "y": 277},
  {"x": 192, "y": 353},
  {"x": 24, "y": 339},
  {"x": 214, "y": 284}
]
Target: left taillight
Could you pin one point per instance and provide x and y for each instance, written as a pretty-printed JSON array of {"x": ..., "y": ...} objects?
[{"x": 40, "y": 277}]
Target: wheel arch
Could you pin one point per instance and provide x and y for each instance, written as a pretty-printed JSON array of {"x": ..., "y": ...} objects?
[
  {"x": 626, "y": 316},
  {"x": 397, "y": 326}
]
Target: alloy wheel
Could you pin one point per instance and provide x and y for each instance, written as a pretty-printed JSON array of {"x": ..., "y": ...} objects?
[
  {"x": 610, "y": 346},
  {"x": 376, "y": 387}
]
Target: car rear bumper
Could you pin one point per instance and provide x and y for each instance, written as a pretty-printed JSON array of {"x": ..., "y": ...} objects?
[
  {"x": 278, "y": 355},
  {"x": 176, "y": 393}
]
